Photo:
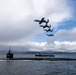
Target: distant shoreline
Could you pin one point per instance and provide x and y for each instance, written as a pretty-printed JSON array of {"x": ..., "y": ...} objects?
[{"x": 41, "y": 58}]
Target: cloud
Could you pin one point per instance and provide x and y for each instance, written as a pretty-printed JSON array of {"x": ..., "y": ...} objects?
[
  {"x": 66, "y": 46},
  {"x": 16, "y": 17},
  {"x": 66, "y": 35},
  {"x": 17, "y": 25}
]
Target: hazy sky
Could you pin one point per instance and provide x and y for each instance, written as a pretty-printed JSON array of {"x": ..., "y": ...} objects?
[{"x": 18, "y": 29}]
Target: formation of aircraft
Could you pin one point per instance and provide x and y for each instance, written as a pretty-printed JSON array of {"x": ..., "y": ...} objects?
[
  {"x": 46, "y": 25},
  {"x": 42, "y": 20}
]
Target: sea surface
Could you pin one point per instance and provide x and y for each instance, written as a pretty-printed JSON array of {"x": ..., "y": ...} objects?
[{"x": 37, "y": 67}]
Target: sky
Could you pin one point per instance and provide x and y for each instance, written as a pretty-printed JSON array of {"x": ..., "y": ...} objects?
[{"x": 18, "y": 29}]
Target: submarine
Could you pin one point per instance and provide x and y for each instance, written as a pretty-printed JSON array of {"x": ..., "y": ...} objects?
[{"x": 9, "y": 55}]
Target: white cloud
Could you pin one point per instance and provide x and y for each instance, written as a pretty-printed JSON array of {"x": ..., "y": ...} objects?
[
  {"x": 63, "y": 35},
  {"x": 56, "y": 46},
  {"x": 59, "y": 12},
  {"x": 14, "y": 10},
  {"x": 18, "y": 28},
  {"x": 66, "y": 46},
  {"x": 16, "y": 16},
  {"x": 68, "y": 35},
  {"x": 39, "y": 7}
]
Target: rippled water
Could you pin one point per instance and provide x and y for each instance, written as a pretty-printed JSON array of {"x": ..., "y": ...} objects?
[
  {"x": 22, "y": 67},
  {"x": 34, "y": 67}
]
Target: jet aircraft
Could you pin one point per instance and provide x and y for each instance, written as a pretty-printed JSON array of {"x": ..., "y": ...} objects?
[
  {"x": 47, "y": 30},
  {"x": 50, "y": 34},
  {"x": 42, "y": 20},
  {"x": 44, "y": 26}
]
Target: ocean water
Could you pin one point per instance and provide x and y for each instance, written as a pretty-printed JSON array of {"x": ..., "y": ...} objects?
[
  {"x": 36, "y": 67},
  {"x": 23, "y": 67}
]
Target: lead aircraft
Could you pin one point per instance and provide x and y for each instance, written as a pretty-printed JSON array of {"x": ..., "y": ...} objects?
[{"x": 42, "y": 20}]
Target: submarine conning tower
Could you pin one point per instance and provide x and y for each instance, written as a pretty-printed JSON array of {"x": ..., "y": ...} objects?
[{"x": 9, "y": 55}]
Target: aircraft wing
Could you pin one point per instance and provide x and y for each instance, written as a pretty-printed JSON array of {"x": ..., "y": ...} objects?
[
  {"x": 47, "y": 20},
  {"x": 45, "y": 30},
  {"x": 41, "y": 26},
  {"x": 44, "y": 21},
  {"x": 51, "y": 30},
  {"x": 37, "y": 20}
]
